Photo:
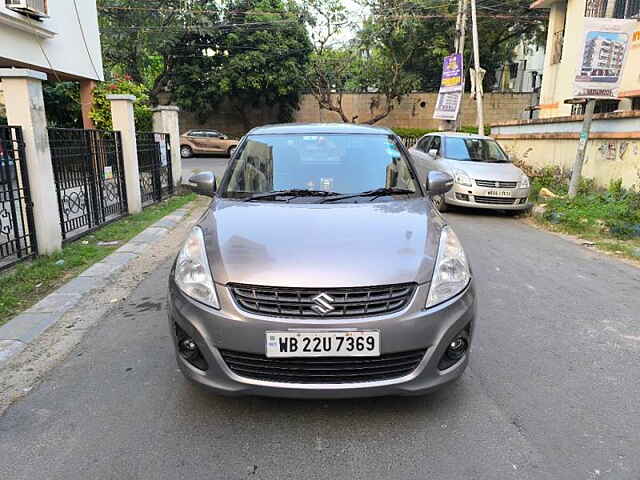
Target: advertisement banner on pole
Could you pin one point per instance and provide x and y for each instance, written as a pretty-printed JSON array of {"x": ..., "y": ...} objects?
[
  {"x": 448, "y": 105},
  {"x": 450, "y": 94},
  {"x": 603, "y": 56}
]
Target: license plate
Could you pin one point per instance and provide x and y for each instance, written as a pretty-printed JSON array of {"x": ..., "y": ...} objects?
[
  {"x": 323, "y": 344},
  {"x": 500, "y": 193}
]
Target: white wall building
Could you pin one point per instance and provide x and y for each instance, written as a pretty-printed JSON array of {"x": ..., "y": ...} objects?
[{"x": 57, "y": 37}]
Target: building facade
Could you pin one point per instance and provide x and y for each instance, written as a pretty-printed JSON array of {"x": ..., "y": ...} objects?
[
  {"x": 57, "y": 37},
  {"x": 603, "y": 57}
]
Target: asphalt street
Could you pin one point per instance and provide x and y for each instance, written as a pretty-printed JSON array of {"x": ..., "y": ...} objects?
[
  {"x": 552, "y": 390},
  {"x": 196, "y": 164}
]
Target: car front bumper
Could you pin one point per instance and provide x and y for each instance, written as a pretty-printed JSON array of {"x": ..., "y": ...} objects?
[
  {"x": 480, "y": 197},
  {"x": 411, "y": 329}
]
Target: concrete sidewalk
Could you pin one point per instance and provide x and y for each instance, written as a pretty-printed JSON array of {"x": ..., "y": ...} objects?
[{"x": 24, "y": 329}]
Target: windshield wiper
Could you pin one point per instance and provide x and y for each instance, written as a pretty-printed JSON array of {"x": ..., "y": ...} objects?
[
  {"x": 378, "y": 192},
  {"x": 294, "y": 192}
]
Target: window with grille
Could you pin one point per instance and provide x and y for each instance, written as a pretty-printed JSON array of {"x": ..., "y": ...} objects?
[{"x": 626, "y": 9}]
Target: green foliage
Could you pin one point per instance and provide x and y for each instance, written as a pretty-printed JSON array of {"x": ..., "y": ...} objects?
[
  {"x": 412, "y": 132},
  {"x": 259, "y": 64},
  {"x": 499, "y": 35},
  {"x": 142, "y": 39},
  {"x": 419, "y": 132},
  {"x": 62, "y": 102},
  {"x": 29, "y": 282},
  {"x": 101, "y": 112},
  {"x": 614, "y": 211},
  {"x": 3, "y": 119}
]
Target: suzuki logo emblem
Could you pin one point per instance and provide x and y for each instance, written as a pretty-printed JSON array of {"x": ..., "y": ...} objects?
[
  {"x": 497, "y": 184},
  {"x": 322, "y": 304}
]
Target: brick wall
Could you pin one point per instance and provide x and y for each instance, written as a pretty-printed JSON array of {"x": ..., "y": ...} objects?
[{"x": 415, "y": 111}]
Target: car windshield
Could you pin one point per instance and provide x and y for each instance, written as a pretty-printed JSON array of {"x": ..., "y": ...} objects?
[
  {"x": 474, "y": 150},
  {"x": 314, "y": 165}
]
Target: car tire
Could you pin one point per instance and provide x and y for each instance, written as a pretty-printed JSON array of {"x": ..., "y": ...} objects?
[
  {"x": 231, "y": 150},
  {"x": 439, "y": 203},
  {"x": 185, "y": 151}
]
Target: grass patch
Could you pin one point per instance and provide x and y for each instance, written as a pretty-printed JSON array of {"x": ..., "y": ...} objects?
[
  {"x": 609, "y": 217},
  {"x": 31, "y": 281}
]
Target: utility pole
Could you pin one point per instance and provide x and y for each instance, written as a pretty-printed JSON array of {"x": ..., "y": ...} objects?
[
  {"x": 461, "y": 31},
  {"x": 576, "y": 173},
  {"x": 476, "y": 65}
]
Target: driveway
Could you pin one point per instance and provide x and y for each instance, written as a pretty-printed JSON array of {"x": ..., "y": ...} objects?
[{"x": 552, "y": 391}]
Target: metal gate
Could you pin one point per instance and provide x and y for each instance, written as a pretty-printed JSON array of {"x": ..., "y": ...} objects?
[
  {"x": 154, "y": 160},
  {"x": 89, "y": 176},
  {"x": 17, "y": 230}
]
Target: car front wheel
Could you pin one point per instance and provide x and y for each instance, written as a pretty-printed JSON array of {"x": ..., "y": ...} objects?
[{"x": 185, "y": 151}]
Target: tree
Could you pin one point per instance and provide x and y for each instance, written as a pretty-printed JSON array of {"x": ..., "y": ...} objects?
[
  {"x": 251, "y": 52},
  {"x": 499, "y": 29},
  {"x": 144, "y": 39},
  {"x": 375, "y": 60},
  {"x": 257, "y": 59}
]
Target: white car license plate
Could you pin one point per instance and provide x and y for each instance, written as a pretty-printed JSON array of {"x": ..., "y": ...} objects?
[
  {"x": 323, "y": 344},
  {"x": 500, "y": 193}
]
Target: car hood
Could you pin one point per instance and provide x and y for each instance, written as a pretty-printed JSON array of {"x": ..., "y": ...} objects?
[
  {"x": 321, "y": 245},
  {"x": 506, "y": 172}
]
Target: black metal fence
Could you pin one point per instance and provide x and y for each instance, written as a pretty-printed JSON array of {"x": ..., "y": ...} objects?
[
  {"x": 154, "y": 160},
  {"x": 89, "y": 176},
  {"x": 17, "y": 230}
]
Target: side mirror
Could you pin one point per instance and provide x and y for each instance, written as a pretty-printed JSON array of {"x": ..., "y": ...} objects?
[
  {"x": 439, "y": 183},
  {"x": 433, "y": 152},
  {"x": 205, "y": 183}
]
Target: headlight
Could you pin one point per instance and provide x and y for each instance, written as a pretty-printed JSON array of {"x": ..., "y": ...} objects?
[
  {"x": 524, "y": 181},
  {"x": 192, "y": 274},
  {"x": 462, "y": 178},
  {"x": 451, "y": 274}
]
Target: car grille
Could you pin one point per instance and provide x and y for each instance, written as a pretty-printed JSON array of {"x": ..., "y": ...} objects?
[
  {"x": 323, "y": 370},
  {"x": 298, "y": 302},
  {"x": 496, "y": 184},
  {"x": 494, "y": 200}
]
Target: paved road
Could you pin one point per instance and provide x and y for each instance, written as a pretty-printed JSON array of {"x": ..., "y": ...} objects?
[
  {"x": 192, "y": 165},
  {"x": 552, "y": 391}
]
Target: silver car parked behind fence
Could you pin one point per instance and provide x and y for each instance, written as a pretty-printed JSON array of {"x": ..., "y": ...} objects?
[
  {"x": 484, "y": 177},
  {"x": 321, "y": 269}
]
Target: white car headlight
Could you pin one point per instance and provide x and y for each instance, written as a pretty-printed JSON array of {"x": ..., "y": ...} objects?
[
  {"x": 192, "y": 274},
  {"x": 524, "y": 182},
  {"x": 462, "y": 178},
  {"x": 451, "y": 274}
]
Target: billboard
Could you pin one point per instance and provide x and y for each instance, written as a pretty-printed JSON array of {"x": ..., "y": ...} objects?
[
  {"x": 450, "y": 94},
  {"x": 602, "y": 59}
]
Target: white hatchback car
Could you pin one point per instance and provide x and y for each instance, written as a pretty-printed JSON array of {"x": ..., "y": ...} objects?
[{"x": 484, "y": 176}]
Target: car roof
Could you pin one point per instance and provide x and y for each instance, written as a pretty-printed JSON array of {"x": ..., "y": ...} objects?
[
  {"x": 461, "y": 134},
  {"x": 319, "y": 128}
]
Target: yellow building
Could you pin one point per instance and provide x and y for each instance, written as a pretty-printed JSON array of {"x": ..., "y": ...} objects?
[
  {"x": 564, "y": 43},
  {"x": 613, "y": 151}
]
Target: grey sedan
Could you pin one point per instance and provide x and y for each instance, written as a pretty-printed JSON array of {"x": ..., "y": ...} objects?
[
  {"x": 322, "y": 270},
  {"x": 484, "y": 177}
]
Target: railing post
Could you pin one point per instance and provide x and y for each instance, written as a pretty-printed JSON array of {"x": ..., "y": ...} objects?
[
  {"x": 123, "y": 121},
  {"x": 166, "y": 120},
  {"x": 25, "y": 107}
]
